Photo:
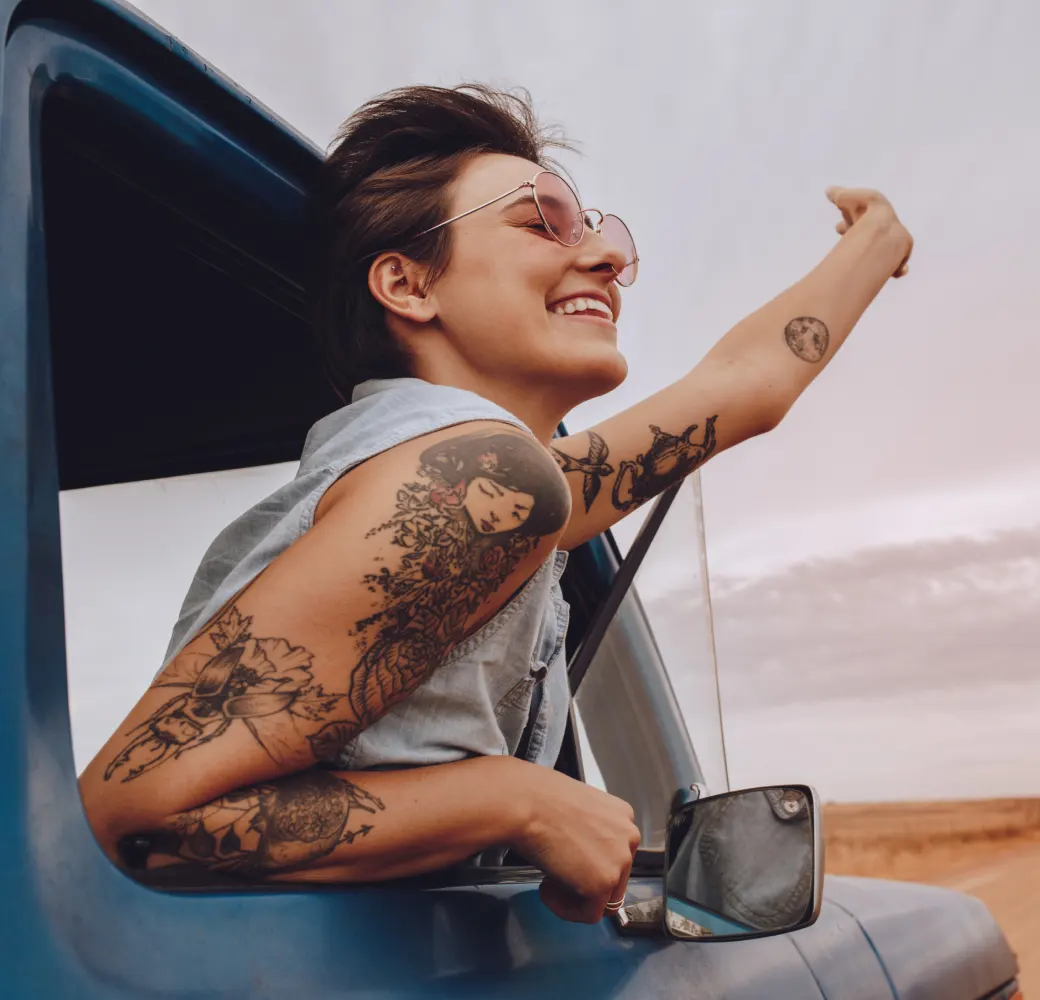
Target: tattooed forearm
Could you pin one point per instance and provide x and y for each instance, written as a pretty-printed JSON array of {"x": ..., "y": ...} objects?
[
  {"x": 277, "y": 827},
  {"x": 262, "y": 684},
  {"x": 669, "y": 459},
  {"x": 808, "y": 338},
  {"x": 593, "y": 467}
]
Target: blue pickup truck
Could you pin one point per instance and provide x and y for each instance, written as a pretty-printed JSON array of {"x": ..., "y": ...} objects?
[{"x": 153, "y": 222}]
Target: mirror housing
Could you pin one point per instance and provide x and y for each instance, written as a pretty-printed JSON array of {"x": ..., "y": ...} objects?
[{"x": 743, "y": 864}]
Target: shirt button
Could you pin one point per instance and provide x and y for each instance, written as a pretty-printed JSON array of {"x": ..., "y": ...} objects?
[{"x": 539, "y": 674}]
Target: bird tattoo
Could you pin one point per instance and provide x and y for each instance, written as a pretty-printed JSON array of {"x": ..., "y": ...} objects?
[{"x": 593, "y": 467}]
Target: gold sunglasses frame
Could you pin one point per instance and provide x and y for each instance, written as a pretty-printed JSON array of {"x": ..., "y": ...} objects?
[{"x": 582, "y": 212}]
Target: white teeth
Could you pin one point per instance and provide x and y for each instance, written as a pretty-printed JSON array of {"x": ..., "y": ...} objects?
[{"x": 583, "y": 305}]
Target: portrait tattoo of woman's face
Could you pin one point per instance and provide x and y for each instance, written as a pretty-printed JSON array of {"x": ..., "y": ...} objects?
[{"x": 481, "y": 503}]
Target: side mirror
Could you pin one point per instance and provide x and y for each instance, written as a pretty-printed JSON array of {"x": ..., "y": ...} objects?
[{"x": 745, "y": 864}]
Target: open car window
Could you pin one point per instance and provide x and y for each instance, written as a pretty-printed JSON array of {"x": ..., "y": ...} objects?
[{"x": 158, "y": 254}]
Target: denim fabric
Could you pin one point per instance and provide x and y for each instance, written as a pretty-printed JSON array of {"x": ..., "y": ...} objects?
[
  {"x": 478, "y": 701},
  {"x": 747, "y": 857}
]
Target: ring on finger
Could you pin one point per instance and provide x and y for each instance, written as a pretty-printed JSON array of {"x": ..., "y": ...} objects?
[{"x": 615, "y": 906}]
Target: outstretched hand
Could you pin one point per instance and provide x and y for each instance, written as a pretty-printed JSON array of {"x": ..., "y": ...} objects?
[{"x": 854, "y": 203}]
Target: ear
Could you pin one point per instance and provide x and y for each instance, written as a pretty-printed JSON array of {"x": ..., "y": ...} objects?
[{"x": 396, "y": 284}]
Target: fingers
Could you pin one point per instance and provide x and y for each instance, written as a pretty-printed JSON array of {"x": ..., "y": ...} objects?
[
  {"x": 591, "y": 903},
  {"x": 618, "y": 893},
  {"x": 853, "y": 202},
  {"x": 568, "y": 904}
]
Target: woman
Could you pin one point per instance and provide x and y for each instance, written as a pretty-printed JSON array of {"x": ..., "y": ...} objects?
[{"x": 359, "y": 656}]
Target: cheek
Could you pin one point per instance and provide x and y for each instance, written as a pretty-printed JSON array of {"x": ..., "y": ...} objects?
[
  {"x": 476, "y": 503},
  {"x": 499, "y": 285}
]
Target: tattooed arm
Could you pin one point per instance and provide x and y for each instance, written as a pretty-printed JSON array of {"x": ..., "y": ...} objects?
[
  {"x": 325, "y": 825},
  {"x": 410, "y": 553},
  {"x": 746, "y": 382},
  {"x": 331, "y": 826}
]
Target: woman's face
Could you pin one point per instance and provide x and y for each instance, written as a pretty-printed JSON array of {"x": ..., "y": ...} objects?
[
  {"x": 496, "y": 300},
  {"x": 494, "y": 508}
]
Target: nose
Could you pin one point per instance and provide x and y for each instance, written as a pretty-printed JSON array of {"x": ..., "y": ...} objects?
[{"x": 600, "y": 255}]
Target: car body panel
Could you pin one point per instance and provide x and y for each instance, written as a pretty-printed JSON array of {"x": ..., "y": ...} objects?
[
  {"x": 936, "y": 944},
  {"x": 841, "y": 956}
]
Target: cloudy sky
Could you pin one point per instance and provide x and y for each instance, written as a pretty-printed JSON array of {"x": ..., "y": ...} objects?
[{"x": 876, "y": 559}]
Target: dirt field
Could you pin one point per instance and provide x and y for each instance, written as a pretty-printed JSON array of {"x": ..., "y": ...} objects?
[{"x": 988, "y": 848}]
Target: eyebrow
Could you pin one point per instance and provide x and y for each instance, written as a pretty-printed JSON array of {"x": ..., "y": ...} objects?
[{"x": 524, "y": 199}]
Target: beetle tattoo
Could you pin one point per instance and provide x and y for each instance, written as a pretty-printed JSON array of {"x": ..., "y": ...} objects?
[
  {"x": 262, "y": 684},
  {"x": 669, "y": 458}
]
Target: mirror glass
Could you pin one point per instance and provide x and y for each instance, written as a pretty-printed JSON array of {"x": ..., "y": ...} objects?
[{"x": 742, "y": 864}]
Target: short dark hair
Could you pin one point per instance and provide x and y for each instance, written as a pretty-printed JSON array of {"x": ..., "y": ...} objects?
[{"x": 384, "y": 179}]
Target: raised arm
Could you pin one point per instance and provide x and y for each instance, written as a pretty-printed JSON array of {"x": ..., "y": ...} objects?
[
  {"x": 413, "y": 551},
  {"x": 746, "y": 382}
]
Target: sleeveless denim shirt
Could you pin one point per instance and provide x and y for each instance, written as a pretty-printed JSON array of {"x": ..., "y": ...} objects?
[{"x": 479, "y": 700}]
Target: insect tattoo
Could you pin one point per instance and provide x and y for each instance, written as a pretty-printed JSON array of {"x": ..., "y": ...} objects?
[
  {"x": 262, "y": 684},
  {"x": 593, "y": 467},
  {"x": 808, "y": 338},
  {"x": 670, "y": 458}
]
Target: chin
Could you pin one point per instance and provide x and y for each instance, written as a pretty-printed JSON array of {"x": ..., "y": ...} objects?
[{"x": 592, "y": 373}]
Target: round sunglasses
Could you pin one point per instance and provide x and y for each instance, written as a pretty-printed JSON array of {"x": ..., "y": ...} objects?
[{"x": 566, "y": 221}]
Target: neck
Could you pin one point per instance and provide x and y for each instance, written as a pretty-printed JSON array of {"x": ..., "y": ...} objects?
[{"x": 541, "y": 407}]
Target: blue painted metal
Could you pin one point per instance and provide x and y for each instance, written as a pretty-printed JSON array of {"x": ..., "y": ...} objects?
[
  {"x": 934, "y": 943},
  {"x": 843, "y": 961},
  {"x": 73, "y": 926}
]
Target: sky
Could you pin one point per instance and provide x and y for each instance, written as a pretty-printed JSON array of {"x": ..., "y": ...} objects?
[{"x": 875, "y": 560}]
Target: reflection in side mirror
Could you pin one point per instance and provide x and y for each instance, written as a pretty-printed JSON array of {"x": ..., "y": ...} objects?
[{"x": 744, "y": 864}]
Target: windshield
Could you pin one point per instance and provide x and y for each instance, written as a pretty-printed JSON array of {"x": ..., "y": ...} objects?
[{"x": 649, "y": 700}]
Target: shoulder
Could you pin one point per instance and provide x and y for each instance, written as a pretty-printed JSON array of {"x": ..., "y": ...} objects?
[
  {"x": 493, "y": 478},
  {"x": 385, "y": 413}
]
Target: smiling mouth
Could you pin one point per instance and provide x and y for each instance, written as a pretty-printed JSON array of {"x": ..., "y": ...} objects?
[
  {"x": 486, "y": 526},
  {"x": 584, "y": 307}
]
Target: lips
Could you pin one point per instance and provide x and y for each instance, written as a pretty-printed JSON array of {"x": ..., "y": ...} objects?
[{"x": 486, "y": 526}]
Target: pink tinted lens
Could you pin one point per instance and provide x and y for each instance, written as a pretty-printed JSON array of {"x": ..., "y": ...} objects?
[
  {"x": 616, "y": 233},
  {"x": 559, "y": 206}
]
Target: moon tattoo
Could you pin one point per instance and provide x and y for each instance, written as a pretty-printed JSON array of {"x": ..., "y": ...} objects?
[{"x": 808, "y": 338}]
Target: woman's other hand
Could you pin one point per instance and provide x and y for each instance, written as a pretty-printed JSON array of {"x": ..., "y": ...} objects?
[
  {"x": 583, "y": 839},
  {"x": 855, "y": 203}
]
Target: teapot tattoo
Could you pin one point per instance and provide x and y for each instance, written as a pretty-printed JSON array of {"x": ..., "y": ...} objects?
[{"x": 669, "y": 458}]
